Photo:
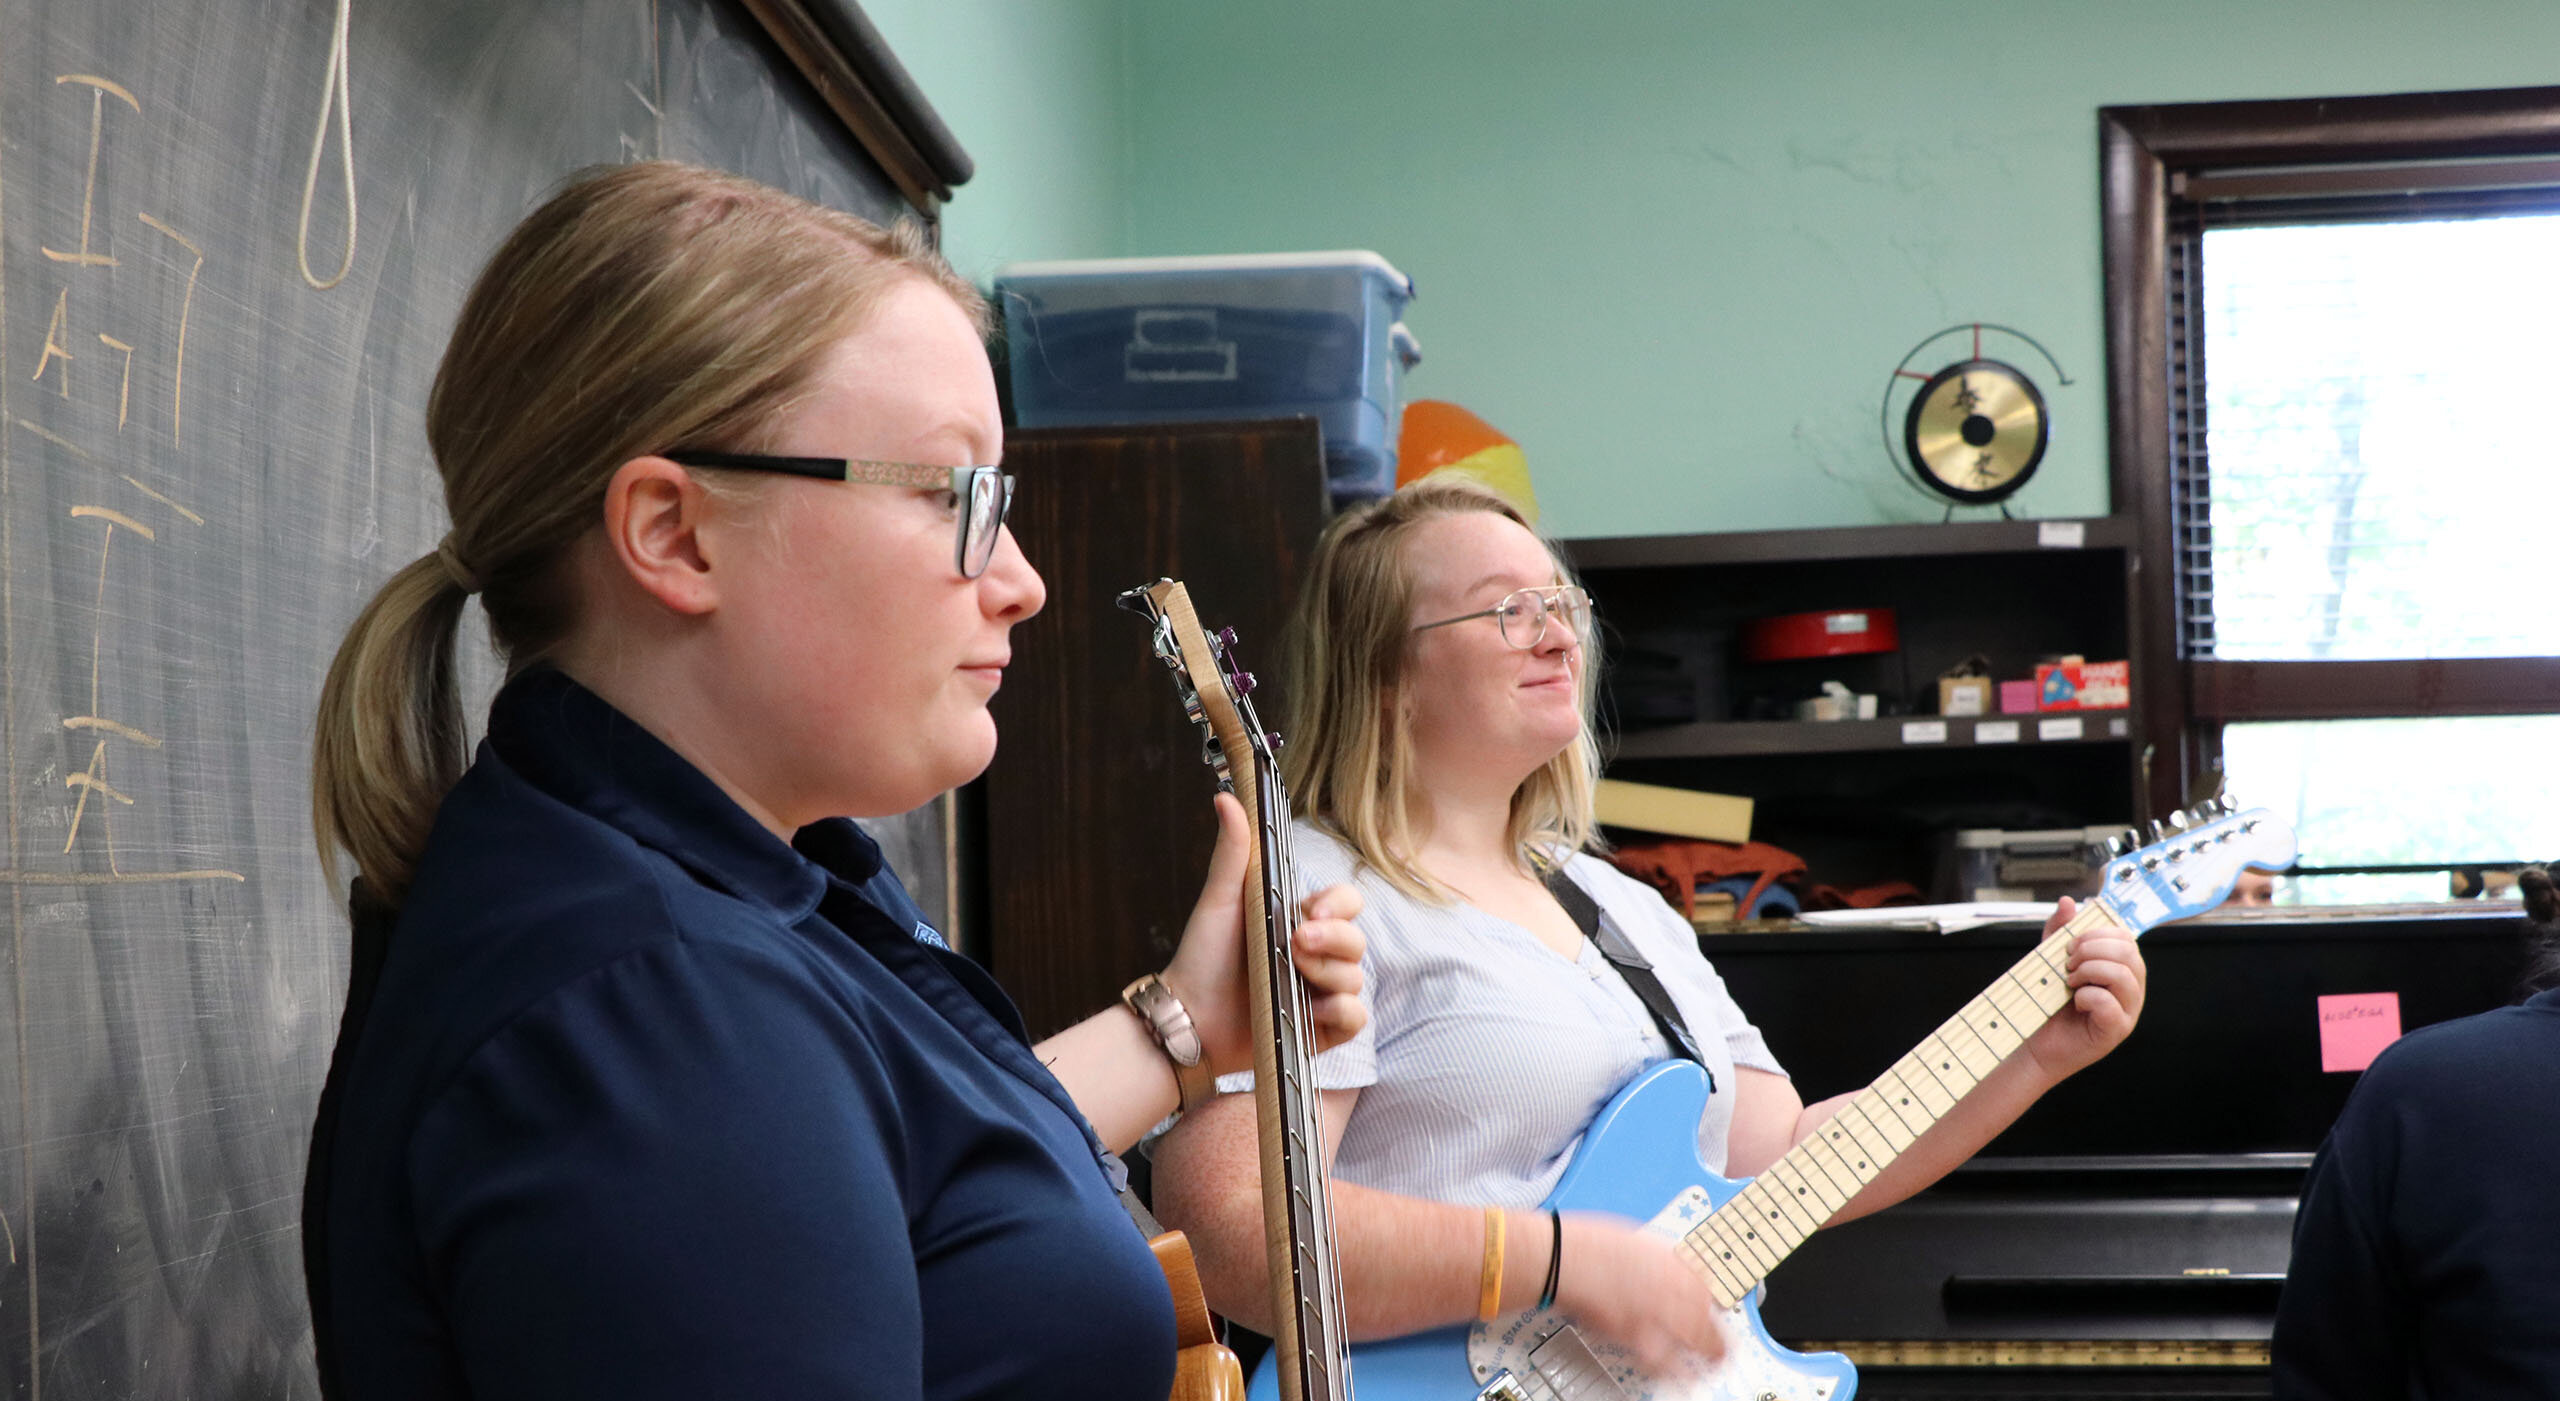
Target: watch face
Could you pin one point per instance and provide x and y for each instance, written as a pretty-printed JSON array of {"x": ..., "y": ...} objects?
[{"x": 1975, "y": 431}]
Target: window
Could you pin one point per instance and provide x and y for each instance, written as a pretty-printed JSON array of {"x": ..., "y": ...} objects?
[{"x": 2330, "y": 330}]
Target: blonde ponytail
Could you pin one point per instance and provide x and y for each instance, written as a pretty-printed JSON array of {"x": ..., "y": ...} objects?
[
  {"x": 390, "y": 739},
  {"x": 645, "y": 308}
]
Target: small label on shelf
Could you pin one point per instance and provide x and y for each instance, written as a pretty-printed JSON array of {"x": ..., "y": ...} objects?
[
  {"x": 2116, "y": 727},
  {"x": 2062, "y": 535},
  {"x": 1924, "y": 731},
  {"x": 1996, "y": 732},
  {"x": 2059, "y": 727}
]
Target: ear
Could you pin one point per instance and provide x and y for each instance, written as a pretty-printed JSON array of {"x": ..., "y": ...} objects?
[{"x": 654, "y": 514}]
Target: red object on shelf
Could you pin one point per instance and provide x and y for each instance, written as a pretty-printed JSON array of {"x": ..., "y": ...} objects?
[{"x": 1838, "y": 632}]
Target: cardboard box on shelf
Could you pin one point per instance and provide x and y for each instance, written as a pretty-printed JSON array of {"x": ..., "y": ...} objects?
[
  {"x": 1964, "y": 695},
  {"x": 1677, "y": 812},
  {"x": 2074, "y": 684}
]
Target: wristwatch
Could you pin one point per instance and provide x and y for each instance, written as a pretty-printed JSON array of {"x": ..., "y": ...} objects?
[{"x": 1152, "y": 999}]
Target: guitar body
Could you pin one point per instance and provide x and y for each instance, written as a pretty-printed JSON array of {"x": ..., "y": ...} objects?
[
  {"x": 1203, "y": 1368},
  {"x": 1639, "y": 1160}
]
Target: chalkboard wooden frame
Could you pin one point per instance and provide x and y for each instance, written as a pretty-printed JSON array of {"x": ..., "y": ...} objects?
[{"x": 835, "y": 47}]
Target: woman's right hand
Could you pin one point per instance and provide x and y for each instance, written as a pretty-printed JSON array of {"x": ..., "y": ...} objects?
[{"x": 1635, "y": 1290}]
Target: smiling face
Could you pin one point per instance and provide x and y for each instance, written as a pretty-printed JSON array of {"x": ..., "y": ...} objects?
[
  {"x": 1471, "y": 698},
  {"x": 862, "y": 659}
]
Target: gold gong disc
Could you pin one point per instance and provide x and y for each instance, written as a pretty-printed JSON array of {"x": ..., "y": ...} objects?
[{"x": 1976, "y": 431}]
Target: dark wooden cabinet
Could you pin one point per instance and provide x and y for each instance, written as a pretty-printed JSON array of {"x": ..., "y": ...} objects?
[
  {"x": 1868, "y": 801},
  {"x": 1095, "y": 820}
]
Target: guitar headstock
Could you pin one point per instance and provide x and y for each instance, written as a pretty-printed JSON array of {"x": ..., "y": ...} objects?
[
  {"x": 2190, "y": 861},
  {"x": 1216, "y": 689}
]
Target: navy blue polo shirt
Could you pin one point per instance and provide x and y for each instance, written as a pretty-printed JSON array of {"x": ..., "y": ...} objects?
[
  {"x": 2426, "y": 1258},
  {"x": 648, "y": 1103}
]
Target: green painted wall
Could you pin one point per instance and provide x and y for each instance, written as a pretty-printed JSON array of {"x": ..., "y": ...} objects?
[
  {"x": 1676, "y": 246},
  {"x": 1035, "y": 90}
]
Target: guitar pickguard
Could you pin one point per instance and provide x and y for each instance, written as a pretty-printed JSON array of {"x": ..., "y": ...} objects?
[{"x": 1749, "y": 1371}]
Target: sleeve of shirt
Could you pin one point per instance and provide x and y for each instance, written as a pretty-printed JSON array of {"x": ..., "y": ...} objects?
[
  {"x": 2342, "y": 1323},
  {"x": 679, "y": 1176}
]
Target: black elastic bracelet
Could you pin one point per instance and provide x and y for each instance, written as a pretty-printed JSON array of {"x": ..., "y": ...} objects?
[{"x": 1555, "y": 1260}]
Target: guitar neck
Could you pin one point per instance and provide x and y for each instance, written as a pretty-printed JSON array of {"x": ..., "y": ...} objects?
[
  {"x": 1759, "y": 1226},
  {"x": 1297, "y": 1212},
  {"x": 1306, "y": 1278}
]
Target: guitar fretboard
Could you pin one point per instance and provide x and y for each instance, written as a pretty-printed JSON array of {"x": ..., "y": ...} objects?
[{"x": 1760, "y": 1225}]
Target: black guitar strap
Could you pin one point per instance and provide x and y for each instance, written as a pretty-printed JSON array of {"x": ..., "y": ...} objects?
[{"x": 1630, "y": 964}]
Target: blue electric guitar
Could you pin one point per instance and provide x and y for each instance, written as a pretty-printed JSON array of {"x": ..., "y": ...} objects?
[{"x": 1639, "y": 1159}]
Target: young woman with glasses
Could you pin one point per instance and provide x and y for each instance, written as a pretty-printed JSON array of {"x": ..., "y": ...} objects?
[
  {"x": 1441, "y": 759},
  {"x": 654, "y": 1083}
]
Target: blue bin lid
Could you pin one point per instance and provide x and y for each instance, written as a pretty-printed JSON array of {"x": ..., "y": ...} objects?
[{"x": 1345, "y": 259}]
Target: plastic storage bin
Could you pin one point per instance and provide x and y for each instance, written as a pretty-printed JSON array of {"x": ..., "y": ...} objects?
[{"x": 1142, "y": 340}]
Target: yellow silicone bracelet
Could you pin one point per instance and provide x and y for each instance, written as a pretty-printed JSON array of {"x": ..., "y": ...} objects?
[{"x": 1489, "y": 1301}]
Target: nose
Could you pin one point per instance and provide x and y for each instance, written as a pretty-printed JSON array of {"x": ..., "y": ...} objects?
[
  {"x": 1011, "y": 590},
  {"x": 1557, "y": 636}
]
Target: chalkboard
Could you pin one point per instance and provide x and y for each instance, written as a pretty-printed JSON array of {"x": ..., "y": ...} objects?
[{"x": 211, "y": 450}]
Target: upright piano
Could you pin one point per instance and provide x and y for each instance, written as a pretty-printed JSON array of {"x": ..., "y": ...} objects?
[{"x": 2128, "y": 1236}]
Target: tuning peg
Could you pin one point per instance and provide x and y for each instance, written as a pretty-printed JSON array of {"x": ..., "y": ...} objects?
[
  {"x": 1243, "y": 683},
  {"x": 1272, "y": 738},
  {"x": 2131, "y": 837},
  {"x": 2159, "y": 830},
  {"x": 2180, "y": 820},
  {"x": 2230, "y": 804},
  {"x": 2115, "y": 846},
  {"x": 1226, "y": 637}
]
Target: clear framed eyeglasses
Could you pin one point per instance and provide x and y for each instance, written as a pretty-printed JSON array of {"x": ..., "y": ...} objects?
[
  {"x": 1523, "y": 614},
  {"x": 982, "y": 496}
]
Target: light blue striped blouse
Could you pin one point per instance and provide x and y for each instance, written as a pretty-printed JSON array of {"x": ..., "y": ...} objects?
[{"x": 1486, "y": 1053}]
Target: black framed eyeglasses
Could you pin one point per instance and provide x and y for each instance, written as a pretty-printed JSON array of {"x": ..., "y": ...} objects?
[
  {"x": 982, "y": 496},
  {"x": 1524, "y": 614}
]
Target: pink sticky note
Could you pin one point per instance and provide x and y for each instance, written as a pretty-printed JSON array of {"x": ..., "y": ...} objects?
[{"x": 2355, "y": 1026}]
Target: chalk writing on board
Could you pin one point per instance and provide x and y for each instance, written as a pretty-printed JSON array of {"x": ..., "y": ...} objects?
[
  {"x": 186, "y": 308},
  {"x": 96, "y": 789},
  {"x": 99, "y": 89}
]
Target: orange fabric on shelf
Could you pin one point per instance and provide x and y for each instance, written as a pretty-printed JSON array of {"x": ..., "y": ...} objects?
[
  {"x": 1863, "y": 897},
  {"x": 1676, "y": 867}
]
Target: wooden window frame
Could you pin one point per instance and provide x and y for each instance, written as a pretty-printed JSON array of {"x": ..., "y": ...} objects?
[{"x": 2142, "y": 151}]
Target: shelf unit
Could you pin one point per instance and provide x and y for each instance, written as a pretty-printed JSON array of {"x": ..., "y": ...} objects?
[
  {"x": 1869, "y": 800},
  {"x": 1713, "y": 739}
]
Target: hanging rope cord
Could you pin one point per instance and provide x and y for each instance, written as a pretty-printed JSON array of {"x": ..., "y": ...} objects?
[{"x": 338, "y": 91}]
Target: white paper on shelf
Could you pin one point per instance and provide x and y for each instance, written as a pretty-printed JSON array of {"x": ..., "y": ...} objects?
[
  {"x": 1996, "y": 732},
  {"x": 2062, "y": 535},
  {"x": 1924, "y": 731},
  {"x": 2063, "y": 727}
]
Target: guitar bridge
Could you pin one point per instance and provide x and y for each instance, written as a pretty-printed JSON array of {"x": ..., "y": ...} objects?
[{"x": 1568, "y": 1367}]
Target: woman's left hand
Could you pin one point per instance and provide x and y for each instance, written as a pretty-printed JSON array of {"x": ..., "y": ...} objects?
[
  {"x": 2107, "y": 979},
  {"x": 1208, "y": 971}
]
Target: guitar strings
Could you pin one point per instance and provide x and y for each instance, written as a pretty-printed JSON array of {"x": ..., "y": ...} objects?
[{"x": 1304, "y": 1110}]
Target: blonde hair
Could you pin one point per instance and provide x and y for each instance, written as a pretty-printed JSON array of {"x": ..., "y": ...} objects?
[
  {"x": 1349, "y": 751},
  {"x": 644, "y": 308}
]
